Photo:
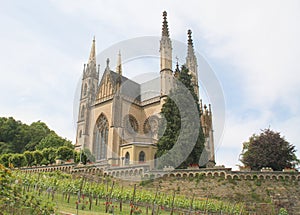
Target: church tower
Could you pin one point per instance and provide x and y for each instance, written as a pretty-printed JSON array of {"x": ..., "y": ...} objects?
[
  {"x": 90, "y": 79},
  {"x": 207, "y": 127},
  {"x": 165, "y": 58},
  {"x": 191, "y": 63}
]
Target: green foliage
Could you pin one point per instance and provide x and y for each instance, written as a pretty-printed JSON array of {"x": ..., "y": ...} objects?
[
  {"x": 268, "y": 149},
  {"x": 14, "y": 201},
  {"x": 65, "y": 153},
  {"x": 16, "y": 137},
  {"x": 29, "y": 158},
  {"x": 17, "y": 160},
  {"x": 86, "y": 156},
  {"x": 4, "y": 159},
  {"x": 173, "y": 126},
  {"x": 5, "y": 148},
  {"x": 283, "y": 211},
  {"x": 49, "y": 155},
  {"x": 13, "y": 133},
  {"x": 52, "y": 140},
  {"x": 44, "y": 183},
  {"x": 37, "y": 131},
  {"x": 38, "y": 157}
]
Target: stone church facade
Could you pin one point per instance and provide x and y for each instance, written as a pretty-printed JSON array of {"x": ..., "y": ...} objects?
[{"x": 118, "y": 119}]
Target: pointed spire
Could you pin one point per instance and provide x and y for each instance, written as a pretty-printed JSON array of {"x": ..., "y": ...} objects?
[
  {"x": 107, "y": 64},
  {"x": 191, "y": 52},
  {"x": 177, "y": 70},
  {"x": 190, "y": 41},
  {"x": 191, "y": 62},
  {"x": 201, "y": 107},
  {"x": 165, "y": 28},
  {"x": 92, "y": 57},
  {"x": 119, "y": 64}
]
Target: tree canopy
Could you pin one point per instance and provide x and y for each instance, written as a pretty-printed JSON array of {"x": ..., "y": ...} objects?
[
  {"x": 17, "y": 137},
  {"x": 268, "y": 149},
  {"x": 172, "y": 131}
]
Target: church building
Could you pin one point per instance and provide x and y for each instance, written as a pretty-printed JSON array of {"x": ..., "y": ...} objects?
[{"x": 118, "y": 120}]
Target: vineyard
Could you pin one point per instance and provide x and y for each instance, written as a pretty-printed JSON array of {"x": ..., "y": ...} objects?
[{"x": 46, "y": 193}]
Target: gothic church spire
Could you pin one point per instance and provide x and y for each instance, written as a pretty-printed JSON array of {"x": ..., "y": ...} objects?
[
  {"x": 165, "y": 28},
  {"x": 92, "y": 58},
  {"x": 165, "y": 58},
  {"x": 191, "y": 62}
]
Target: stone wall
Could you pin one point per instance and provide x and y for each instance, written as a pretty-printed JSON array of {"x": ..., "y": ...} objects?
[{"x": 143, "y": 171}]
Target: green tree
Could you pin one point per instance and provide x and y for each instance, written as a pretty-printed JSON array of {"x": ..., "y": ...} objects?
[
  {"x": 36, "y": 131},
  {"x": 14, "y": 134},
  {"x": 268, "y": 149},
  {"x": 49, "y": 155},
  {"x": 17, "y": 137},
  {"x": 38, "y": 157},
  {"x": 65, "y": 153},
  {"x": 171, "y": 128},
  {"x": 17, "y": 160},
  {"x": 4, "y": 159},
  {"x": 5, "y": 148},
  {"x": 86, "y": 156},
  {"x": 29, "y": 158},
  {"x": 52, "y": 140}
]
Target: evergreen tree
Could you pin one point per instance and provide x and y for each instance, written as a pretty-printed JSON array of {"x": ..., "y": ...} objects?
[{"x": 172, "y": 130}]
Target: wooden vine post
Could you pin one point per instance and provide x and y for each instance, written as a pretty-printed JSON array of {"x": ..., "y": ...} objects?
[
  {"x": 206, "y": 204},
  {"x": 153, "y": 204},
  {"x": 172, "y": 207},
  {"x": 121, "y": 200},
  {"x": 191, "y": 205},
  {"x": 132, "y": 200},
  {"x": 109, "y": 197}
]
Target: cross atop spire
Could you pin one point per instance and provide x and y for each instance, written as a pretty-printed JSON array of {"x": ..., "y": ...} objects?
[
  {"x": 165, "y": 28},
  {"x": 92, "y": 57}
]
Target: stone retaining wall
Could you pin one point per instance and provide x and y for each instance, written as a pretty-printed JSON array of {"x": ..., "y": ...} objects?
[{"x": 143, "y": 171}]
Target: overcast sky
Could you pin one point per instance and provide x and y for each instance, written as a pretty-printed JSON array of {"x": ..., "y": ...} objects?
[{"x": 253, "y": 48}]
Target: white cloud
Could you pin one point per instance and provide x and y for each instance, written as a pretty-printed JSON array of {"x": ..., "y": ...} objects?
[{"x": 256, "y": 41}]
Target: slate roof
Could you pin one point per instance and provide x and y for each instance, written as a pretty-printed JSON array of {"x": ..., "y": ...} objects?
[{"x": 140, "y": 92}]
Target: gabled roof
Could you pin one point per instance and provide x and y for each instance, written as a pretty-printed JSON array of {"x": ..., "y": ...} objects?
[{"x": 128, "y": 87}]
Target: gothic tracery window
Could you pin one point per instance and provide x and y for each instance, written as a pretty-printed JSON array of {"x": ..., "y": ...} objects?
[
  {"x": 151, "y": 126},
  {"x": 101, "y": 138},
  {"x": 131, "y": 124}
]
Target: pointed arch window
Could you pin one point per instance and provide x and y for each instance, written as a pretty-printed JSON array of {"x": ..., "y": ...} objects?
[
  {"x": 82, "y": 111},
  {"x": 101, "y": 138},
  {"x": 127, "y": 158},
  {"x": 142, "y": 157}
]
